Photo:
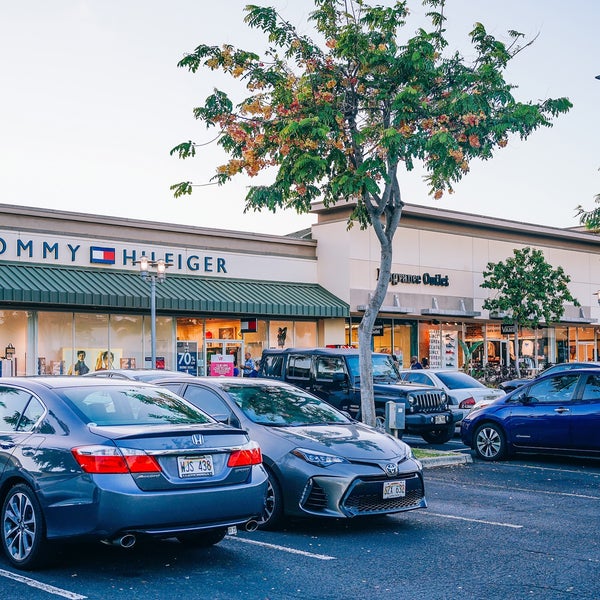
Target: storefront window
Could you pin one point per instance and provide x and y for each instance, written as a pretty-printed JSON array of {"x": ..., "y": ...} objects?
[
  {"x": 438, "y": 345},
  {"x": 13, "y": 342},
  {"x": 562, "y": 344},
  {"x": 533, "y": 348},
  {"x": 401, "y": 344},
  {"x": 585, "y": 344},
  {"x": 165, "y": 349},
  {"x": 254, "y": 341},
  {"x": 305, "y": 334},
  {"x": 90, "y": 335},
  {"x": 125, "y": 336},
  {"x": 383, "y": 342},
  {"x": 281, "y": 334},
  {"x": 55, "y": 343}
]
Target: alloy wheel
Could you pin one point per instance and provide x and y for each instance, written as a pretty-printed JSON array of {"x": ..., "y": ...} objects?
[
  {"x": 490, "y": 443},
  {"x": 19, "y": 526}
]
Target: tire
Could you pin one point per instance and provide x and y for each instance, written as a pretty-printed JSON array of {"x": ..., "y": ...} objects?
[
  {"x": 203, "y": 539},
  {"x": 380, "y": 420},
  {"x": 439, "y": 436},
  {"x": 490, "y": 442},
  {"x": 23, "y": 529},
  {"x": 272, "y": 516}
]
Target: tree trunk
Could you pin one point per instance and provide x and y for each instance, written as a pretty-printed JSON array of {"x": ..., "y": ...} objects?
[
  {"x": 365, "y": 338},
  {"x": 517, "y": 363},
  {"x": 385, "y": 229}
]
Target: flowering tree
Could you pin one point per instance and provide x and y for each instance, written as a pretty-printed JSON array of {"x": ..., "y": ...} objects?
[
  {"x": 528, "y": 289},
  {"x": 334, "y": 121}
]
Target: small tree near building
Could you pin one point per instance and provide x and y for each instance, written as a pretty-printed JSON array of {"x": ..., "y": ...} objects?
[
  {"x": 334, "y": 118},
  {"x": 528, "y": 291}
]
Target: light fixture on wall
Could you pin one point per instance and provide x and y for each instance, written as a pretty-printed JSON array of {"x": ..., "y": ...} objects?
[
  {"x": 597, "y": 294},
  {"x": 9, "y": 351},
  {"x": 153, "y": 271}
]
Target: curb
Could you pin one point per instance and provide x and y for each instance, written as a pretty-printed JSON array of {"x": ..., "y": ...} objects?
[{"x": 443, "y": 461}]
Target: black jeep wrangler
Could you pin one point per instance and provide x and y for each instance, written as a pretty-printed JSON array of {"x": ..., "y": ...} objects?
[{"x": 333, "y": 374}]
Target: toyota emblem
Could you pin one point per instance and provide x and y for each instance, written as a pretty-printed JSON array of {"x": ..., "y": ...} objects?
[{"x": 391, "y": 469}]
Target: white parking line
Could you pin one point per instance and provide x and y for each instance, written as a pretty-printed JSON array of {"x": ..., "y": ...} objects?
[
  {"x": 511, "y": 525},
  {"x": 282, "y": 548},
  {"x": 41, "y": 586},
  {"x": 520, "y": 489}
]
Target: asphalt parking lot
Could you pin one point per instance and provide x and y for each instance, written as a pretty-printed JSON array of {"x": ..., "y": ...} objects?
[{"x": 526, "y": 528}]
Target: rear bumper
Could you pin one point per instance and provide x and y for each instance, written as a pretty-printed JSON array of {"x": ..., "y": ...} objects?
[{"x": 113, "y": 505}]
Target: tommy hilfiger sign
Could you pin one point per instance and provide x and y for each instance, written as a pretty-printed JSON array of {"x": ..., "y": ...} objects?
[
  {"x": 425, "y": 279},
  {"x": 80, "y": 252}
]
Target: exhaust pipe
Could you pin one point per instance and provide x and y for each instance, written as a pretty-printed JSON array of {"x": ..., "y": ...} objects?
[
  {"x": 251, "y": 525},
  {"x": 127, "y": 540}
]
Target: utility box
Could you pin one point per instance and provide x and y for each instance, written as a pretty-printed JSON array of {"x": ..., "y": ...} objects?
[{"x": 395, "y": 416}]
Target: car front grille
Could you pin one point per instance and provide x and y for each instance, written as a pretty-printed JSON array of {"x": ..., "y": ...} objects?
[
  {"x": 365, "y": 497},
  {"x": 426, "y": 401}
]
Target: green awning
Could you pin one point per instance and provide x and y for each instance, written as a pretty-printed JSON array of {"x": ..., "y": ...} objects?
[{"x": 70, "y": 288}]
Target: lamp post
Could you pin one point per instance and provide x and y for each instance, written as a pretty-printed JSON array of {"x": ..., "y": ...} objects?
[{"x": 155, "y": 272}]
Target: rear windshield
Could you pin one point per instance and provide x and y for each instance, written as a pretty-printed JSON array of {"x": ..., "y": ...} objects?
[
  {"x": 455, "y": 380},
  {"x": 282, "y": 405},
  {"x": 130, "y": 405}
]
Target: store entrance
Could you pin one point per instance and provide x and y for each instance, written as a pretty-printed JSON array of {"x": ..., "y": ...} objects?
[{"x": 226, "y": 347}]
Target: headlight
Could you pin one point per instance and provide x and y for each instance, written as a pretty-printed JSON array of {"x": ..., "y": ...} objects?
[{"x": 320, "y": 459}]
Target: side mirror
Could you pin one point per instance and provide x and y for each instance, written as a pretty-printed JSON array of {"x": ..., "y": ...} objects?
[{"x": 339, "y": 378}]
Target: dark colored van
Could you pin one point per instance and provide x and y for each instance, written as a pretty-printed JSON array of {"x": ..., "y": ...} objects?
[{"x": 333, "y": 375}]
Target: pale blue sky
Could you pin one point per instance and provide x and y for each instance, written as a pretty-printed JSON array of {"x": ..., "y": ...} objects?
[{"x": 92, "y": 101}]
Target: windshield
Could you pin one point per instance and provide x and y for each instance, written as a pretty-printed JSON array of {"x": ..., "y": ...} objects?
[
  {"x": 455, "y": 380},
  {"x": 129, "y": 405},
  {"x": 269, "y": 404},
  {"x": 383, "y": 367}
]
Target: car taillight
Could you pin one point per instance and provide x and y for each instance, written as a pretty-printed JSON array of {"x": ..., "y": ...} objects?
[
  {"x": 245, "y": 457},
  {"x": 104, "y": 459},
  {"x": 467, "y": 403}
]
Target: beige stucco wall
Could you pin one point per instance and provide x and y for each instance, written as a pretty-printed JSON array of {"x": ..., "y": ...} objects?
[{"x": 452, "y": 244}]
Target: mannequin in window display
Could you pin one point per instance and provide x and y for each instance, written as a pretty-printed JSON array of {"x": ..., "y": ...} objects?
[
  {"x": 79, "y": 368},
  {"x": 105, "y": 361}
]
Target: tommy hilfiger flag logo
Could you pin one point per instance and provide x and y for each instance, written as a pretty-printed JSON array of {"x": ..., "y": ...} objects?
[{"x": 105, "y": 256}]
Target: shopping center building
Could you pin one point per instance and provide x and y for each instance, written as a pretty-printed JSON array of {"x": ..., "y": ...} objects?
[{"x": 70, "y": 282}]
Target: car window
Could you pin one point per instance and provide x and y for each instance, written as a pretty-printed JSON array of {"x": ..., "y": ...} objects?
[
  {"x": 299, "y": 367},
  {"x": 129, "y": 405},
  {"x": 12, "y": 404},
  {"x": 207, "y": 400},
  {"x": 327, "y": 366},
  {"x": 31, "y": 415},
  {"x": 384, "y": 368},
  {"x": 271, "y": 365},
  {"x": 282, "y": 405},
  {"x": 420, "y": 378},
  {"x": 559, "y": 388},
  {"x": 592, "y": 388}
]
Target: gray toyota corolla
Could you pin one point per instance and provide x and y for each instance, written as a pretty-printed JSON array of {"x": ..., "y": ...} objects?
[
  {"x": 319, "y": 461},
  {"x": 112, "y": 460}
]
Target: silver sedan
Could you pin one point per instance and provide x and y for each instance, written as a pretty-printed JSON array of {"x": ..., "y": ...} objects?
[{"x": 320, "y": 462}]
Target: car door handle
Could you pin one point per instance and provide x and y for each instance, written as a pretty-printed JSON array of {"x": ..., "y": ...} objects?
[
  {"x": 561, "y": 410},
  {"x": 7, "y": 445}
]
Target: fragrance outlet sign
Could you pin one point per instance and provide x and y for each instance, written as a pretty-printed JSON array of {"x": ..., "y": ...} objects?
[{"x": 426, "y": 279}]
